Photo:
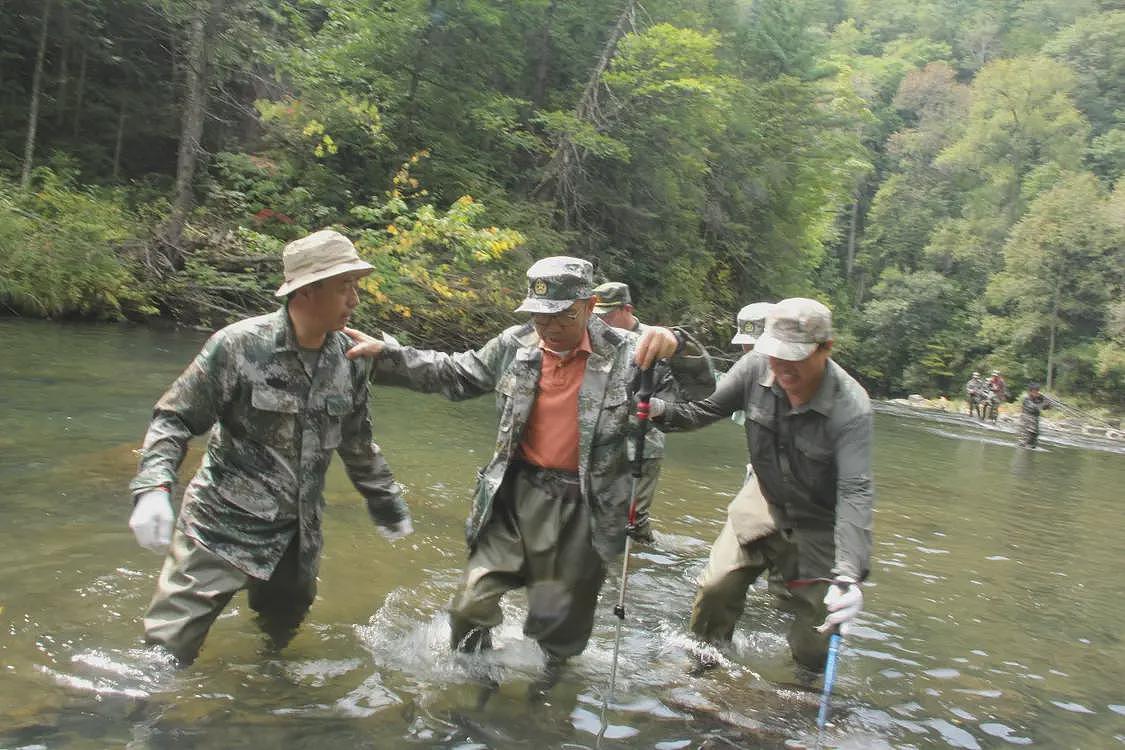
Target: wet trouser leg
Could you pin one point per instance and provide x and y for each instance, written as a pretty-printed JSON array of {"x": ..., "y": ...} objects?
[
  {"x": 193, "y": 588},
  {"x": 809, "y": 647},
  {"x": 538, "y": 536},
  {"x": 283, "y": 601},
  {"x": 645, "y": 490}
]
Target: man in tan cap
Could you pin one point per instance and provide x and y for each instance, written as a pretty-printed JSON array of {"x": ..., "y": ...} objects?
[
  {"x": 281, "y": 397},
  {"x": 550, "y": 508},
  {"x": 808, "y": 510}
]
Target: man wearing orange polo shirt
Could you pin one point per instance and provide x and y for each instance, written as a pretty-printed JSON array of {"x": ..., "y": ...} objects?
[{"x": 550, "y": 509}]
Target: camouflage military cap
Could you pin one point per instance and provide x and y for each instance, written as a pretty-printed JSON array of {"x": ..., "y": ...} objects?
[
  {"x": 555, "y": 283},
  {"x": 794, "y": 328},
  {"x": 751, "y": 323},
  {"x": 611, "y": 295}
]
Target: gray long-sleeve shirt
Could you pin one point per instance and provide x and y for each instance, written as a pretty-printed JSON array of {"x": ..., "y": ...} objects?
[{"x": 813, "y": 462}]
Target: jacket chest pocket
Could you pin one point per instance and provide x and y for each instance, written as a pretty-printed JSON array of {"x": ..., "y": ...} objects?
[
  {"x": 274, "y": 416},
  {"x": 506, "y": 390},
  {"x": 815, "y": 463},
  {"x": 336, "y": 408},
  {"x": 614, "y": 419}
]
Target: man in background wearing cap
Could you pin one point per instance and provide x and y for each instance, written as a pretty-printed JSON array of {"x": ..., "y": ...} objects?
[
  {"x": 809, "y": 512},
  {"x": 615, "y": 308},
  {"x": 549, "y": 512},
  {"x": 282, "y": 397}
]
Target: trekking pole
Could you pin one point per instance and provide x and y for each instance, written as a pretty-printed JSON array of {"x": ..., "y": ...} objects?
[
  {"x": 829, "y": 679},
  {"x": 644, "y": 393}
]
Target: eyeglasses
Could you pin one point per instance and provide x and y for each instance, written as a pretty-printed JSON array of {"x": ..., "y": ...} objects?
[{"x": 566, "y": 317}]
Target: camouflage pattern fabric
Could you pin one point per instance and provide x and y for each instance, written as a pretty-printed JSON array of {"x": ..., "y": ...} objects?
[
  {"x": 1030, "y": 409},
  {"x": 273, "y": 429},
  {"x": 509, "y": 366}
]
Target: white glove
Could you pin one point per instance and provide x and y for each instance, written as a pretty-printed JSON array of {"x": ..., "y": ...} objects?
[
  {"x": 843, "y": 603},
  {"x": 151, "y": 521},
  {"x": 398, "y": 530},
  {"x": 656, "y": 407}
]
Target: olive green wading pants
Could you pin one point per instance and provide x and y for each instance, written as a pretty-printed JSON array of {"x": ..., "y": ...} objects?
[
  {"x": 195, "y": 585},
  {"x": 734, "y": 565},
  {"x": 538, "y": 536},
  {"x": 646, "y": 488}
]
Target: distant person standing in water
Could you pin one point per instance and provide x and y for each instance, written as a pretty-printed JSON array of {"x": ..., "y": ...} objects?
[
  {"x": 279, "y": 397},
  {"x": 1031, "y": 407}
]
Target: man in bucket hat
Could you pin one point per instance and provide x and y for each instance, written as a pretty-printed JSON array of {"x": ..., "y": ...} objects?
[
  {"x": 808, "y": 513},
  {"x": 282, "y": 397},
  {"x": 549, "y": 511}
]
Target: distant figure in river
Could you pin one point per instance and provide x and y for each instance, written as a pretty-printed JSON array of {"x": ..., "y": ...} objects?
[
  {"x": 278, "y": 396},
  {"x": 1030, "y": 408},
  {"x": 975, "y": 391},
  {"x": 998, "y": 387}
]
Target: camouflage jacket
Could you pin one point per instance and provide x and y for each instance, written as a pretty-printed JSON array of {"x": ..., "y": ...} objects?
[
  {"x": 654, "y": 439},
  {"x": 273, "y": 430},
  {"x": 509, "y": 365}
]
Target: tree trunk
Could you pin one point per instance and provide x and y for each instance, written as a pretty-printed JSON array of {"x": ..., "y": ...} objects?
[
  {"x": 64, "y": 69},
  {"x": 80, "y": 93},
  {"x": 191, "y": 127},
  {"x": 543, "y": 65},
  {"x": 119, "y": 140},
  {"x": 851, "y": 235},
  {"x": 1051, "y": 341},
  {"x": 562, "y": 175},
  {"x": 36, "y": 86}
]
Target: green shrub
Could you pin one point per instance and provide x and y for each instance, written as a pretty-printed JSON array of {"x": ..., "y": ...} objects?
[{"x": 64, "y": 252}]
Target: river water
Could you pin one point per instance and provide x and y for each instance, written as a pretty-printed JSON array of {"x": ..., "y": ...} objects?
[{"x": 993, "y": 617}]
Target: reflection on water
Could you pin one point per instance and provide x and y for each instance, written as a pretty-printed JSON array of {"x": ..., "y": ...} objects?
[{"x": 992, "y": 616}]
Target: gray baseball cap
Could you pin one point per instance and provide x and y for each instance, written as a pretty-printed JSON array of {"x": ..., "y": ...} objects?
[
  {"x": 751, "y": 323},
  {"x": 556, "y": 283},
  {"x": 794, "y": 328},
  {"x": 611, "y": 295}
]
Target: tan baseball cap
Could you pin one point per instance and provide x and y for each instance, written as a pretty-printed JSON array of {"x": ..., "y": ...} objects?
[
  {"x": 320, "y": 255},
  {"x": 794, "y": 328}
]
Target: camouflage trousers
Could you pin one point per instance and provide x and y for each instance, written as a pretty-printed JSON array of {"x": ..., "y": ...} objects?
[
  {"x": 733, "y": 567},
  {"x": 538, "y": 537},
  {"x": 645, "y": 490},
  {"x": 195, "y": 585},
  {"x": 1029, "y": 431}
]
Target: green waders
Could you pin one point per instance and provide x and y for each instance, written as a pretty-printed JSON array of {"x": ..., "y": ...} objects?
[
  {"x": 538, "y": 536},
  {"x": 733, "y": 566},
  {"x": 195, "y": 585}
]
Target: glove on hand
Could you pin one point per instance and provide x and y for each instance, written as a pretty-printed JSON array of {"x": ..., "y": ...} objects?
[
  {"x": 397, "y": 531},
  {"x": 152, "y": 520},
  {"x": 844, "y": 601}
]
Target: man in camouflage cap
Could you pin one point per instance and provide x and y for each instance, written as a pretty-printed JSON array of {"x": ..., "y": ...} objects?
[
  {"x": 808, "y": 513},
  {"x": 282, "y": 397},
  {"x": 550, "y": 508},
  {"x": 751, "y": 322},
  {"x": 615, "y": 308}
]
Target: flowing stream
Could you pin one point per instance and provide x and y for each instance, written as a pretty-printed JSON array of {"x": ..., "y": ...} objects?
[{"x": 993, "y": 616}]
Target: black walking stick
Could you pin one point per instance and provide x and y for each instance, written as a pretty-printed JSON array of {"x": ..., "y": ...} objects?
[{"x": 644, "y": 393}]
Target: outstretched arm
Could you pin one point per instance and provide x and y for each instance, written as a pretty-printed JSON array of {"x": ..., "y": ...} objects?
[{"x": 456, "y": 376}]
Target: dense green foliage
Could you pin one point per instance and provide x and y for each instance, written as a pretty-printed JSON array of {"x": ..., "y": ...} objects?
[{"x": 945, "y": 174}]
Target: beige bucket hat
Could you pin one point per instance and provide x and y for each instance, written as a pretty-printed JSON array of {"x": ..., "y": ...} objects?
[{"x": 320, "y": 255}]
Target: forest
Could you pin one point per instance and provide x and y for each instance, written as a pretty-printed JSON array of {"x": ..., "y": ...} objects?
[{"x": 945, "y": 174}]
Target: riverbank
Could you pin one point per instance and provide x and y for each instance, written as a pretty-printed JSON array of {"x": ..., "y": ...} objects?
[{"x": 1108, "y": 426}]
